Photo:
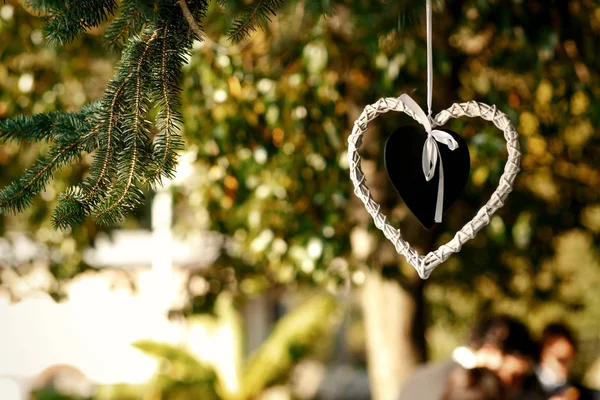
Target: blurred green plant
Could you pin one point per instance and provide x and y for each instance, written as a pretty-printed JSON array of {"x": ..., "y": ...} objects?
[{"x": 213, "y": 367}]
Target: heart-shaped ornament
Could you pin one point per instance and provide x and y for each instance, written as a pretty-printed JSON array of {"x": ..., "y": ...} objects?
[
  {"x": 403, "y": 157},
  {"x": 424, "y": 265}
]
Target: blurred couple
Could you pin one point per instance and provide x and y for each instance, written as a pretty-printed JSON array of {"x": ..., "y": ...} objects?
[{"x": 501, "y": 361}]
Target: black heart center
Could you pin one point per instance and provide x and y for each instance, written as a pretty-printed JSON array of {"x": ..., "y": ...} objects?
[{"x": 403, "y": 154}]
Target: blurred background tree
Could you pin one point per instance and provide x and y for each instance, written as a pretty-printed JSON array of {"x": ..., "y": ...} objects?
[{"x": 265, "y": 124}]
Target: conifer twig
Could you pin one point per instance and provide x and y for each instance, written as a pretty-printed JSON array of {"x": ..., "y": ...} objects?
[
  {"x": 39, "y": 174},
  {"x": 190, "y": 19},
  {"x": 111, "y": 124},
  {"x": 169, "y": 123},
  {"x": 137, "y": 123},
  {"x": 125, "y": 28}
]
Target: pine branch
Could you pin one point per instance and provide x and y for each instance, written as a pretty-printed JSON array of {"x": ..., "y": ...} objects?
[
  {"x": 24, "y": 128},
  {"x": 168, "y": 141},
  {"x": 71, "y": 138},
  {"x": 133, "y": 159},
  {"x": 190, "y": 19},
  {"x": 155, "y": 37},
  {"x": 257, "y": 16},
  {"x": 42, "y": 127},
  {"x": 19, "y": 195},
  {"x": 124, "y": 152},
  {"x": 133, "y": 15},
  {"x": 70, "y": 18},
  {"x": 76, "y": 203},
  {"x": 105, "y": 156},
  {"x": 71, "y": 209}
]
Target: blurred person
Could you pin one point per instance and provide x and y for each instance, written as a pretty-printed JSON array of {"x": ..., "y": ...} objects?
[
  {"x": 558, "y": 349},
  {"x": 473, "y": 384},
  {"x": 498, "y": 343},
  {"x": 557, "y": 354}
]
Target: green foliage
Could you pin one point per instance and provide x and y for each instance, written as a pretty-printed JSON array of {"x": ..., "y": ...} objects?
[
  {"x": 258, "y": 14},
  {"x": 134, "y": 132},
  {"x": 178, "y": 358},
  {"x": 23, "y": 128},
  {"x": 118, "y": 129},
  {"x": 68, "y": 19},
  {"x": 166, "y": 88},
  {"x": 292, "y": 338},
  {"x": 72, "y": 135},
  {"x": 182, "y": 375},
  {"x": 132, "y": 16}
]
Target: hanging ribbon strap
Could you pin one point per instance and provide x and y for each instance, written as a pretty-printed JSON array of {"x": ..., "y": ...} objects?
[{"x": 431, "y": 151}]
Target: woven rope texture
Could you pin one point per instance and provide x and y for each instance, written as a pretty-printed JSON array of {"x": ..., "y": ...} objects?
[{"x": 424, "y": 265}]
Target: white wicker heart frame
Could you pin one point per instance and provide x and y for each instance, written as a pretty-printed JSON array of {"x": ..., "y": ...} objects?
[{"x": 426, "y": 264}]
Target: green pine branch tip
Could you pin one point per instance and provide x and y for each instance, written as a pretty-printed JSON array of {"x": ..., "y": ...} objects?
[{"x": 132, "y": 147}]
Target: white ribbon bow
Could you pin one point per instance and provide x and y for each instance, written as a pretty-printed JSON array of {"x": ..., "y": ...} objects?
[{"x": 431, "y": 151}]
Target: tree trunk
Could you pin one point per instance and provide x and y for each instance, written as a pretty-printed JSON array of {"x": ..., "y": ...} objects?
[{"x": 393, "y": 323}]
